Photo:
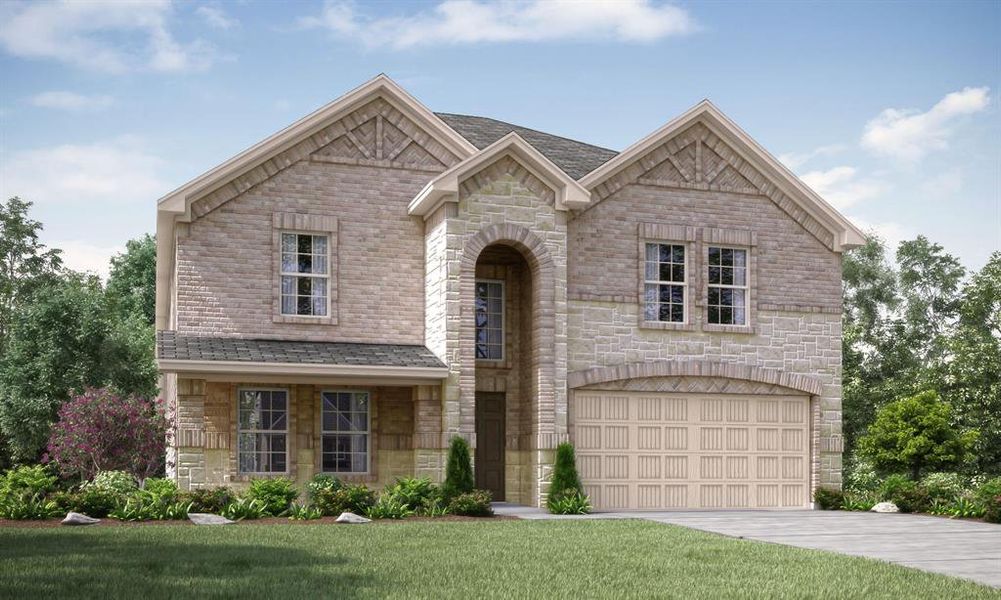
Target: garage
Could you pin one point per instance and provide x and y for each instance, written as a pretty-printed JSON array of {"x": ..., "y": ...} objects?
[{"x": 668, "y": 451}]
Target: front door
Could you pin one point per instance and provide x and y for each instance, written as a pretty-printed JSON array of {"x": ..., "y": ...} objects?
[{"x": 490, "y": 443}]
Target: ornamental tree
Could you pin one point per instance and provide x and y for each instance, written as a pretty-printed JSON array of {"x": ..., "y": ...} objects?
[
  {"x": 915, "y": 434},
  {"x": 458, "y": 469},
  {"x": 103, "y": 431}
]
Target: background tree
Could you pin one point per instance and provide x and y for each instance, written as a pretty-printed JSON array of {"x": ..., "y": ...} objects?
[
  {"x": 25, "y": 263},
  {"x": 930, "y": 280},
  {"x": 914, "y": 434},
  {"x": 132, "y": 280}
]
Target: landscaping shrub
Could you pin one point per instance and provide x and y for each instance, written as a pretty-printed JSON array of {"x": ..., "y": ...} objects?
[
  {"x": 988, "y": 491},
  {"x": 458, "y": 469},
  {"x": 245, "y": 508},
  {"x": 908, "y": 495},
  {"x": 93, "y": 502},
  {"x": 161, "y": 488},
  {"x": 303, "y": 512},
  {"x": 992, "y": 510},
  {"x": 319, "y": 482},
  {"x": 566, "y": 482},
  {"x": 471, "y": 504},
  {"x": 119, "y": 483},
  {"x": 411, "y": 491},
  {"x": 828, "y": 499},
  {"x": 103, "y": 431},
  {"x": 571, "y": 503},
  {"x": 211, "y": 500},
  {"x": 350, "y": 498},
  {"x": 858, "y": 501},
  {"x": 35, "y": 479},
  {"x": 914, "y": 434},
  {"x": 277, "y": 494},
  {"x": 146, "y": 506},
  {"x": 943, "y": 487},
  {"x": 434, "y": 506},
  {"x": 27, "y": 505},
  {"x": 389, "y": 507}
]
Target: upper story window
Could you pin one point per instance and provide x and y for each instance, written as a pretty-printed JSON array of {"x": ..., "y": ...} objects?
[
  {"x": 727, "y": 286},
  {"x": 665, "y": 288},
  {"x": 345, "y": 432},
  {"x": 489, "y": 313},
  {"x": 305, "y": 274},
  {"x": 263, "y": 431}
]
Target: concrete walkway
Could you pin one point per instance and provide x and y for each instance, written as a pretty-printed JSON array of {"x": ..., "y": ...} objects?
[{"x": 967, "y": 549}]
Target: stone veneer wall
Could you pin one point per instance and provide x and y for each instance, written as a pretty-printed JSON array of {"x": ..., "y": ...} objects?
[{"x": 503, "y": 203}]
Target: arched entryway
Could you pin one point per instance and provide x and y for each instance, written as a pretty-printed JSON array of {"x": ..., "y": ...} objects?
[{"x": 507, "y": 356}]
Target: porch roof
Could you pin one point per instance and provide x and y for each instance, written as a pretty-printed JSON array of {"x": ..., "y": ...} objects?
[{"x": 179, "y": 352}]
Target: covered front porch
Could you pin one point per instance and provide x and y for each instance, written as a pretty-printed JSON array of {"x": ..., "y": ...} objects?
[{"x": 244, "y": 409}]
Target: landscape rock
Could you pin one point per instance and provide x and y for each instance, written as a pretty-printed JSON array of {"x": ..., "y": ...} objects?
[
  {"x": 75, "y": 518},
  {"x": 208, "y": 519},
  {"x": 347, "y": 517},
  {"x": 885, "y": 507}
]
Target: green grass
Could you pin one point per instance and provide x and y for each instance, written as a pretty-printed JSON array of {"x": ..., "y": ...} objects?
[{"x": 511, "y": 559}]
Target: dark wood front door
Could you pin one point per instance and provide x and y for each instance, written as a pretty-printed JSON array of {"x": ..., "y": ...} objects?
[{"x": 490, "y": 443}]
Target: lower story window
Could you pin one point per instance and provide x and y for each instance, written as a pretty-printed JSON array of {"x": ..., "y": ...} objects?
[
  {"x": 263, "y": 431},
  {"x": 345, "y": 432},
  {"x": 727, "y": 286}
]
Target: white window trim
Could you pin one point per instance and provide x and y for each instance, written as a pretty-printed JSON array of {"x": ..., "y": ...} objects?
[
  {"x": 367, "y": 432},
  {"x": 503, "y": 324},
  {"x": 283, "y": 273},
  {"x": 746, "y": 287},
  {"x": 684, "y": 285},
  {"x": 240, "y": 430}
]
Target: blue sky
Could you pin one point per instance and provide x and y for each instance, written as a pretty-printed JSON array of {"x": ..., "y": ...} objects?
[{"x": 889, "y": 110}]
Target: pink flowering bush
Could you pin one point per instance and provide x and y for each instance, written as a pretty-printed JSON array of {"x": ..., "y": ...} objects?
[{"x": 103, "y": 431}]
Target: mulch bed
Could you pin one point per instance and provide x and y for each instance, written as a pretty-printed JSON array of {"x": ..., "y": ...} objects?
[{"x": 267, "y": 521}]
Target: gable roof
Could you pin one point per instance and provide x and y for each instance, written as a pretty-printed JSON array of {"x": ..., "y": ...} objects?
[
  {"x": 846, "y": 234},
  {"x": 575, "y": 158},
  {"x": 569, "y": 193}
]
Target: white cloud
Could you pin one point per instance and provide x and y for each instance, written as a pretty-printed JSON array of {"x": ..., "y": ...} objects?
[
  {"x": 944, "y": 184},
  {"x": 909, "y": 134},
  {"x": 216, "y": 17},
  {"x": 104, "y": 35},
  {"x": 842, "y": 187},
  {"x": 84, "y": 256},
  {"x": 71, "y": 101},
  {"x": 476, "y": 21},
  {"x": 103, "y": 174},
  {"x": 795, "y": 160},
  {"x": 891, "y": 232}
]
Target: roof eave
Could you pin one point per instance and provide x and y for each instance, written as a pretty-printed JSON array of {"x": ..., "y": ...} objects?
[{"x": 305, "y": 369}]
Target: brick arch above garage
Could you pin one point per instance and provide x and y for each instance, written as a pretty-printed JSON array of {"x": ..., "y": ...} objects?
[{"x": 688, "y": 369}]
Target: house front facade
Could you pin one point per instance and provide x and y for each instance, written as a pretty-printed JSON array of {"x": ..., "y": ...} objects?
[{"x": 351, "y": 293}]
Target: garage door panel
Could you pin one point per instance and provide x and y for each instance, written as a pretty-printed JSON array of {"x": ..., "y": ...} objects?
[{"x": 638, "y": 450}]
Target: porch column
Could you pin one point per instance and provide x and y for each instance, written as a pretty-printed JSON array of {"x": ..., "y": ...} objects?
[{"x": 430, "y": 441}]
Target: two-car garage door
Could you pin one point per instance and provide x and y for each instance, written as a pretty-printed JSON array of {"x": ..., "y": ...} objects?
[{"x": 650, "y": 451}]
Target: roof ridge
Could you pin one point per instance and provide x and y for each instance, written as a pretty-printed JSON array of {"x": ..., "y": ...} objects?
[{"x": 509, "y": 124}]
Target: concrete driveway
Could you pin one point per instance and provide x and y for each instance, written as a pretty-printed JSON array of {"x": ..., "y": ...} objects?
[{"x": 965, "y": 549}]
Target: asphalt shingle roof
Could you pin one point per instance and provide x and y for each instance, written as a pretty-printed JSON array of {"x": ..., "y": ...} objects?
[
  {"x": 171, "y": 345},
  {"x": 575, "y": 158}
]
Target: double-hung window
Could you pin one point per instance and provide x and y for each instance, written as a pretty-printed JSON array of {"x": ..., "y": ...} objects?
[
  {"x": 263, "y": 430},
  {"x": 727, "y": 286},
  {"x": 489, "y": 314},
  {"x": 345, "y": 431},
  {"x": 665, "y": 289},
  {"x": 305, "y": 274}
]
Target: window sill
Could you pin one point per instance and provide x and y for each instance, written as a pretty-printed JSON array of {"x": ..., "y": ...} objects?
[
  {"x": 305, "y": 320},
  {"x": 744, "y": 329},
  {"x": 667, "y": 326},
  {"x": 244, "y": 477}
]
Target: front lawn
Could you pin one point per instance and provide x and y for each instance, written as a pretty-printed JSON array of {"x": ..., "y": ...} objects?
[{"x": 513, "y": 559}]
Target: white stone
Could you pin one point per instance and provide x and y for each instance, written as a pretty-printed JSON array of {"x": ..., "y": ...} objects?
[
  {"x": 75, "y": 518},
  {"x": 885, "y": 507},
  {"x": 208, "y": 519},
  {"x": 348, "y": 517}
]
